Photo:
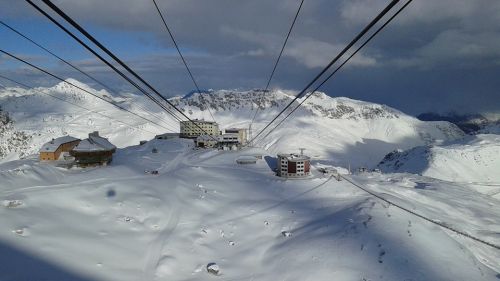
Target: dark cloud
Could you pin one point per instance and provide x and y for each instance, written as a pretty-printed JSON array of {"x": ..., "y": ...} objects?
[{"x": 437, "y": 55}]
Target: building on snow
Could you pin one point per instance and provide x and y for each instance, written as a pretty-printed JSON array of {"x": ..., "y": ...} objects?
[
  {"x": 241, "y": 132},
  {"x": 206, "y": 141},
  {"x": 167, "y": 136},
  {"x": 229, "y": 141},
  {"x": 52, "y": 150},
  {"x": 293, "y": 165},
  {"x": 195, "y": 128},
  {"x": 246, "y": 159},
  {"x": 95, "y": 150}
]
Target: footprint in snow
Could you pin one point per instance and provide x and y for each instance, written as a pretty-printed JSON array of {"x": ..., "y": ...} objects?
[
  {"x": 365, "y": 223},
  {"x": 380, "y": 255}
]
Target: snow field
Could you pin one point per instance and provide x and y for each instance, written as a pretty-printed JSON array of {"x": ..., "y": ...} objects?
[
  {"x": 203, "y": 211},
  {"x": 118, "y": 223},
  {"x": 473, "y": 160}
]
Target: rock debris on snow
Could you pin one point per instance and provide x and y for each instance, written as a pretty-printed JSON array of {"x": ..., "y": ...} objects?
[
  {"x": 12, "y": 203},
  {"x": 213, "y": 268}
]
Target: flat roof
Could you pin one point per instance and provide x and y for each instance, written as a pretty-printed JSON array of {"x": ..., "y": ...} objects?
[
  {"x": 199, "y": 121},
  {"x": 168, "y": 134},
  {"x": 294, "y": 157},
  {"x": 246, "y": 159}
]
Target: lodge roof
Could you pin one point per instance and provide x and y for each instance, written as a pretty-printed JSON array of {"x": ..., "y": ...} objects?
[
  {"x": 54, "y": 144},
  {"x": 94, "y": 143}
]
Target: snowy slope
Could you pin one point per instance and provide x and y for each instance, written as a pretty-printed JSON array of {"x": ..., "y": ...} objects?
[
  {"x": 339, "y": 130},
  {"x": 342, "y": 130},
  {"x": 35, "y": 118},
  {"x": 492, "y": 128},
  {"x": 473, "y": 159},
  {"x": 120, "y": 223},
  {"x": 117, "y": 223}
]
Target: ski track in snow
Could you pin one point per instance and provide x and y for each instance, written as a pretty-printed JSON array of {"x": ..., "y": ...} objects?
[{"x": 156, "y": 247}]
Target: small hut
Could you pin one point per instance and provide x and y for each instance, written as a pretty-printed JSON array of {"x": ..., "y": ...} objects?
[
  {"x": 246, "y": 159},
  {"x": 93, "y": 151}
]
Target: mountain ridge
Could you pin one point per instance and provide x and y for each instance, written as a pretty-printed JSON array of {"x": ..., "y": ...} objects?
[{"x": 329, "y": 125}]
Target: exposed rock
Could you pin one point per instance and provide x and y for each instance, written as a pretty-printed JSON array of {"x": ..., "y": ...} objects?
[{"x": 213, "y": 268}]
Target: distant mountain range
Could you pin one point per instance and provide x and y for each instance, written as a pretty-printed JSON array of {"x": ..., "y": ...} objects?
[
  {"x": 469, "y": 123},
  {"x": 472, "y": 159},
  {"x": 338, "y": 131}
]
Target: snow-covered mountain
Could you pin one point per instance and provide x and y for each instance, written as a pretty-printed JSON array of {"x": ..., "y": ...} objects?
[
  {"x": 203, "y": 210},
  {"x": 472, "y": 159},
  {"x": 11, "y": 139},
  {"x": 486, "y": 123},
  {"x": 345, "y": 131},
  {"x": 35, "y": 117}
]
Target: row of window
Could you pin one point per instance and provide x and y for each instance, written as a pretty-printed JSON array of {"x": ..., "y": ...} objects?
[
  {"x": 298, "y": 162},
  {"x": 294, "y": 174}
]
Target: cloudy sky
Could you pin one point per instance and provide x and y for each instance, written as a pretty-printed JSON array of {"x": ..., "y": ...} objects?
[{"x": 435, "y": 56}]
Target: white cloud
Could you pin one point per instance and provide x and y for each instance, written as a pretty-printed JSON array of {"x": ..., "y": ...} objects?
[
  {"x": 426, "y": 11},
  {"x": 452, "y": 44},
  {"x": 456, "y": 47},
  {"x": 312, "y": 54}
]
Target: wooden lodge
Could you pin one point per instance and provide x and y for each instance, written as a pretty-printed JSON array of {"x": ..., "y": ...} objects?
[
  {"x": 93, "y": 151},
  {"x": 52, "y": 150}
]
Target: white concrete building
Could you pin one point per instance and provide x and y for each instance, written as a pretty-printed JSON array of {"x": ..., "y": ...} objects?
[
  {"x": 242, "y": 133},
  {"x": 195, "y": 128},
  {"x": 229, "y": 141}
]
